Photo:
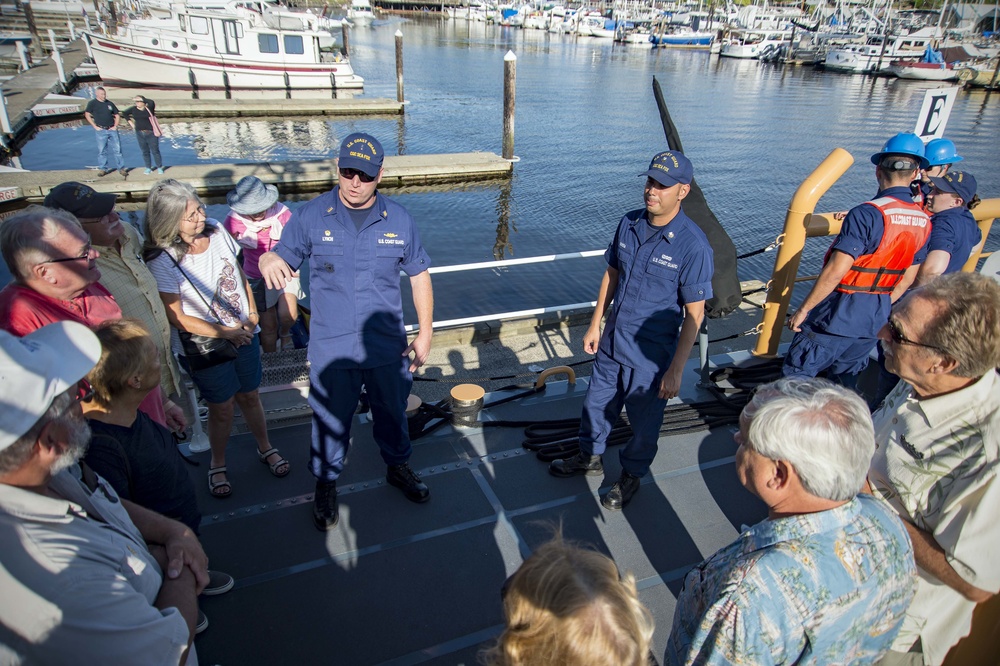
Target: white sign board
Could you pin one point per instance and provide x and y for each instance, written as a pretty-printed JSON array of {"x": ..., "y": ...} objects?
[{"x": 934, "y": 113}]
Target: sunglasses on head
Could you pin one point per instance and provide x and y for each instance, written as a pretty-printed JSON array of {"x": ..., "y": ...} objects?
[{"x": 349, "y": 174}]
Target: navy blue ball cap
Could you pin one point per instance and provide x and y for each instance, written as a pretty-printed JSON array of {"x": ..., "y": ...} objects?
[
  {"x": 80, "y": 200},
  {"x": 669, "y": 168},
  {"x": 362, "y": 152},
  {"x": 960, "y": 183}
]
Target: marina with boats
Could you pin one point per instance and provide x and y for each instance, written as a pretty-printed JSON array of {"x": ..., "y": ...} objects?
[{"x": 403, "y": 584}]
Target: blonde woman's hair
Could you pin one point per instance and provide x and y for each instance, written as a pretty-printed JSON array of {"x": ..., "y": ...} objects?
[
  {"x": 165, "y": 208},
  {"x": 124, "y": 354},
  {"x": 567, "y": 606}
]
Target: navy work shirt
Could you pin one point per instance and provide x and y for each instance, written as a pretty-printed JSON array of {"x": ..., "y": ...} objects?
[
  {"x": 656, "y": 278},
  {"x": 955, "y": 231},
  {"x": 859, "y": 315},
  {"x": 357, "y": 310}
]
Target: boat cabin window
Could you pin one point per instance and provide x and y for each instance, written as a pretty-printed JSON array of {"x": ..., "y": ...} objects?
[
  {"x": 199, "y": 25},
  {"x": 267, "y": 43},
  {"x": 294, "y": 45}
]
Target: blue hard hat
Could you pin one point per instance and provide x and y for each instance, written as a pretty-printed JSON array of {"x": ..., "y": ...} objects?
[
  {"x": 904, "y": 143},
  {"x": 941, "y": 151}
]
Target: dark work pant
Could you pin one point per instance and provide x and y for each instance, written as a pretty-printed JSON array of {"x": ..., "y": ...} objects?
[
  {"x": 149, "y": 144},
  {"x": 333, "y": 396}
]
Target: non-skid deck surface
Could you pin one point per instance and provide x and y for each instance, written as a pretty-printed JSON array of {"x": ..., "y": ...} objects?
[{"x": 401, "y": 583}]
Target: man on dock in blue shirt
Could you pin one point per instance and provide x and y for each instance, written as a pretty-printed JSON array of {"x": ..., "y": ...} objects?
[
  {"x": 660, "y": 274},
  {"x": 356, "y": 242},
  {"x": 870, "y": 264}
]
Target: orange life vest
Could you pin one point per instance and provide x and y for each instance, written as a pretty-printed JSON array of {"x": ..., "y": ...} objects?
[{"x": 907, "y": 227}]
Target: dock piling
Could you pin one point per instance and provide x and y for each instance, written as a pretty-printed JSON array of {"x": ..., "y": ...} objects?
[
  {"x": 36, "y": 40},
  {"x": 509, "y": 79},
  {"x": 22, "y": 53},
  {"x": 72, "y": 30},
  {"x": 4, "y": 118},
  {"x": 345, "y": 47},
  {"x": 399, "y": 65},
  {"x": 60, "y": 70},
  {"x": 52, "y": 40}
]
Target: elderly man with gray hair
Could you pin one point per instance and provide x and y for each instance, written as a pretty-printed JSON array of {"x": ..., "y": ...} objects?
[
  {"x": 938, "y": 438},
  {"x": 827, "y": 576},
  {"x": 87, "y": 578}
]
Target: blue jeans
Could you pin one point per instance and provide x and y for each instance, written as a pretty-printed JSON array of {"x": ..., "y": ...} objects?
[
  {"x": 107, "y": 140},
  {"x": 149, "y": 144}
]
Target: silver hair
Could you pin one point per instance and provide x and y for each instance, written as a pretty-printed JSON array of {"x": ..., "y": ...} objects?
[
  {"x": 26, "y": 237},
  {"x": 824, "y": 431},
  {"x": 165, "y": 208}
]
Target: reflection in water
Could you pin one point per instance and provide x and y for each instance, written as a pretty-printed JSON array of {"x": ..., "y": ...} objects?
[
  {"x": 263, "y": 139},
  {"x": 401, "y": 134},
  {"x": 503, "y": 243}
]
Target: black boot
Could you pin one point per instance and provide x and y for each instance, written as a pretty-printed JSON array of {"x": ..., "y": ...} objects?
[
  {"x": 325, "y": 511},
  {"x": 581, "y": 463},
  {"x": 621, "y": 493},
  {"x": 407, "y": 480}
]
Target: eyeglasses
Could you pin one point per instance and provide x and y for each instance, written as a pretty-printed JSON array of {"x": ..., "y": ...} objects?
[
  {"x": 896, "y": 335},
  {"x": 349, "y": 174},
  {"x": 84, "y": 391},
  {"x": 200, "y": 210},
  {"x": 106, "y": 219},
  {"x": 138, "y": 101},
  {"x": 86, "y": 255}
]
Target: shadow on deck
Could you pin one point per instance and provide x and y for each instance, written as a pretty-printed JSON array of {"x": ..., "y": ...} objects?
[{"x": 401, "y": 583}]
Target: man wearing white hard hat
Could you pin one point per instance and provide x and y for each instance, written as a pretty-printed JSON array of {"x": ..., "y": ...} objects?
[{"x": 80, "y": 584}]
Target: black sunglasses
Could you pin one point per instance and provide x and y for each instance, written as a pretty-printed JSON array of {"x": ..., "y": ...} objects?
[
  {"x": 86, "y": 255},
  {"x": 896, "y": 335},
  {"x": 349, "y": 174},
  {"x": 84, "y": 391}
]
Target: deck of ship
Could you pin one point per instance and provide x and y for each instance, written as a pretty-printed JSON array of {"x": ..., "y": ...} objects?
[{"x": 400, "y": 583}]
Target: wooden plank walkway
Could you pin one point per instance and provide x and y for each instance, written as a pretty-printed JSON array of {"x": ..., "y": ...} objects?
[
  {"x": 29, "y": 88},
  {"x": 243, "y": 108},
  {"x": 289, "y": 177}
]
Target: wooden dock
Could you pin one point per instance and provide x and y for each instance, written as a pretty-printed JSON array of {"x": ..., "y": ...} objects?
[
  {"x": 247, "y": 108},
  {"x": 289, "y": 177},
  {"x": 29, "y": 88}
]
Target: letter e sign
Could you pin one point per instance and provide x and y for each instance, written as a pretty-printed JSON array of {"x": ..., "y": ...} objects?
[{"x": 934, "y": 113}]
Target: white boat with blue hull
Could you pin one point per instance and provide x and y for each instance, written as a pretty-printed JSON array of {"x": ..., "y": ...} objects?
[{"x": 238, "y": 48}]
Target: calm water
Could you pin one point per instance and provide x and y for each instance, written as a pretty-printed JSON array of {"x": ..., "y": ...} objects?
[{"x": 586, "y": 124}]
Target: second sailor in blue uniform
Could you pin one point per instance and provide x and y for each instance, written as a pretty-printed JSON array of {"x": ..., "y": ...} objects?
[
  {"x": 356, "y": 242},
  {"x": 660, "y": 274}
]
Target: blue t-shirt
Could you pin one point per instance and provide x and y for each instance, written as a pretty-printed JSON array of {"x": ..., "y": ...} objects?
[
  {"x": 859, "y": 315},
  {"x": 657, "y": 275},
  {"x": 955, "y": 231}
]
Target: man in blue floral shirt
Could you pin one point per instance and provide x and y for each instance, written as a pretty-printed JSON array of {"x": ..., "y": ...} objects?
[{"x": 828, "y": 576}]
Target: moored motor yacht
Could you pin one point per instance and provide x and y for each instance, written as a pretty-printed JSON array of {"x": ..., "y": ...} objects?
[
  {"x": 872, "y": 56},
  {"x": 239, "y": 47}
]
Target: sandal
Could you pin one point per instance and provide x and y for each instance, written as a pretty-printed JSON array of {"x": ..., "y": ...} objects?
[
  {"x": 264, "y": 455},
  {"x": 218, "y": 489}
]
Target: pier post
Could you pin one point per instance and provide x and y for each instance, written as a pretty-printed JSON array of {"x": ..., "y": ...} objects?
[
  {"x": 72, "y": 30},
  {"x": 399, "y": 65},
  {"x": 52, "y": 40},
  {"x": 4, "y": 118},
  {"x": 113, "y": 13},
  {"x": 36, "y": 40},
  {"x": 509, "y": 78},
  {"x": 57, "y": 59},
  {"x": 22, "y": 53},
  {"x": 345, "y": 47}
]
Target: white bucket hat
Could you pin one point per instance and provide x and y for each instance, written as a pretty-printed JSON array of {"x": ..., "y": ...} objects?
[
  {"x": 37, "y": 368},
  {"x": 251, "y": 196}
]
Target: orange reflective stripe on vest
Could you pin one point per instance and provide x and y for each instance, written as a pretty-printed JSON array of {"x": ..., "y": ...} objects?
[{"x": 907, "y": 227}]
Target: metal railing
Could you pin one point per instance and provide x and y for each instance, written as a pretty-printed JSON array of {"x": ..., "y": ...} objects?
[{"x": 802, "y": 223}]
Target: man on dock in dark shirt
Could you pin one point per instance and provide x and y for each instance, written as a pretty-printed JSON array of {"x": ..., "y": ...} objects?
[
  {"x": 660, "y": 274},
  {"x": 869, "y": 265},
  {"x": 103, "y": 116}
]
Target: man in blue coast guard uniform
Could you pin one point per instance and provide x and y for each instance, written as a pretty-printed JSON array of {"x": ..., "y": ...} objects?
[
  {"x": 660, "y": 274},
  {"x": 869, "y": 266},
  {"x": 356, "y": 242}
]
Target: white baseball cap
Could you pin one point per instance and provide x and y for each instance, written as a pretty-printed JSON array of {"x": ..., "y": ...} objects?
[{"x": 35, "y": 369}]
